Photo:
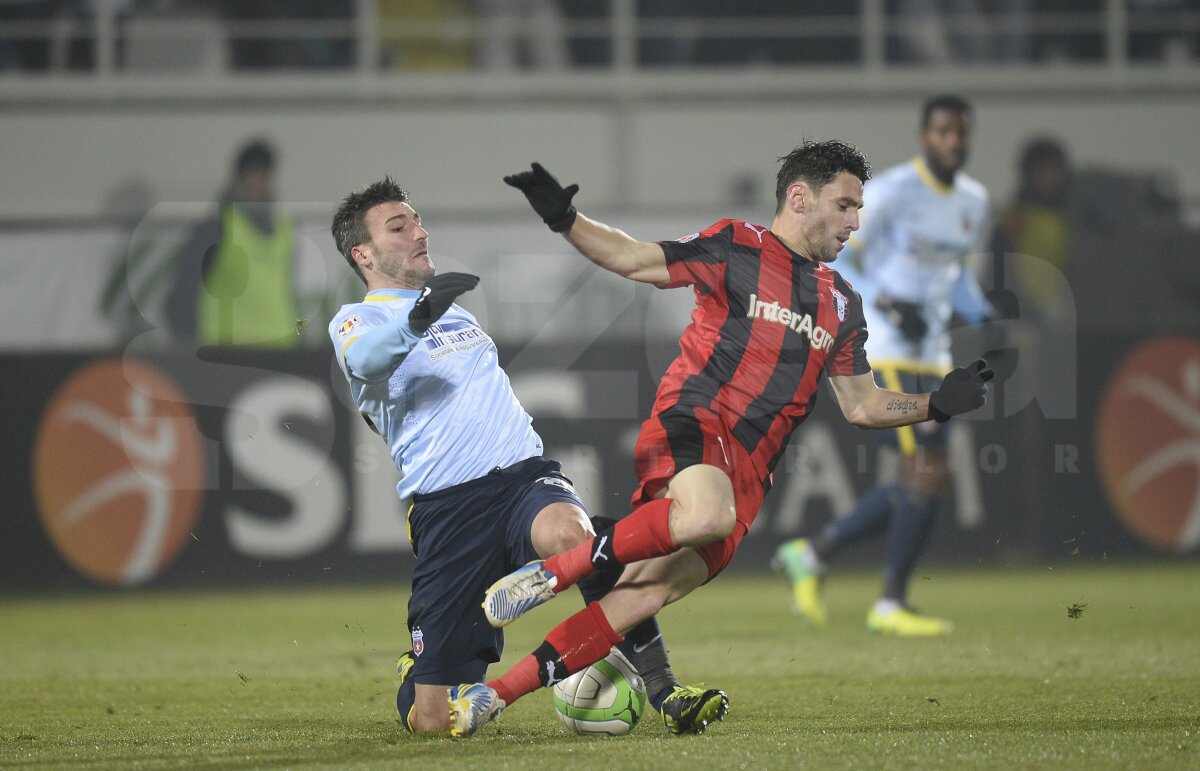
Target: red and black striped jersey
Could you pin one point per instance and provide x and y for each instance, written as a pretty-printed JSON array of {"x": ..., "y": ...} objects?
[{"x": 767, "y": 323}]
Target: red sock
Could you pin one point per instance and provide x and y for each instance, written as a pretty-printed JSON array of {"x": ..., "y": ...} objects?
[
  {"x": 643, "y": 534},
  {"x": 581, "y": 640},
  {"x": 523, "y": 678}
]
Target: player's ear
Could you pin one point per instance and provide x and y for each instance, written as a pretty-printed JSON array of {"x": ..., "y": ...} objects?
[
  {"x": 798, "y": 197},
  {"x": 361, "y": 257}
]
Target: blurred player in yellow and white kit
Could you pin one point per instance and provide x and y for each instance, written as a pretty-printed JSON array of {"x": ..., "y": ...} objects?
[{"x": 922, "y": 223}]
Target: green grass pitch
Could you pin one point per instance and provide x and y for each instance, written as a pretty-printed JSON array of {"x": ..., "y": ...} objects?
[{"x": 305, "y": 678}]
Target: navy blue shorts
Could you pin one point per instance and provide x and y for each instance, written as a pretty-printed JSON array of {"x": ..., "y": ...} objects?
[
  {"x": 466, "y": 538},
  {"x": 912, "y": 379}
]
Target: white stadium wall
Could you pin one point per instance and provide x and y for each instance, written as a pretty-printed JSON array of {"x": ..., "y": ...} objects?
[{"x": 61, "y": 164}]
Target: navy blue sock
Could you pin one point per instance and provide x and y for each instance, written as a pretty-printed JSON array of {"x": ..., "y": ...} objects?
[
  {"x": 645, "y": 649},
  {"x": 406, "y": 696},
  {"x": 598, "y": 584},
  {"x": 868, "y": 517},
  {"x": 593, "y": 587},
  {"x": 911, "y": 524}
]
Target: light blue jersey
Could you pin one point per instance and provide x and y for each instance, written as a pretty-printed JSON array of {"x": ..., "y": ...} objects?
[
  {"x": 915, "y": 244},
  {"x": 441, "y": 402}
]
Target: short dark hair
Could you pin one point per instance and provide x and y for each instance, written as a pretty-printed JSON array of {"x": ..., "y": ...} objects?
[
  {"x": 349, "y": 226},
  {"x": 949, "y": 102},
  {"x": 1042, "y": 151},
  {"x": 255, "y": 154},
  {"x": 818, "y": 163}
]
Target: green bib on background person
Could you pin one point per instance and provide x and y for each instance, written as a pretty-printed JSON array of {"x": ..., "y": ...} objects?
[{"x": 248, "y": 295}]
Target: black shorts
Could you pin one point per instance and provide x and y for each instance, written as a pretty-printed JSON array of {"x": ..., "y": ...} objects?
[{"x": 466, "y": 538}]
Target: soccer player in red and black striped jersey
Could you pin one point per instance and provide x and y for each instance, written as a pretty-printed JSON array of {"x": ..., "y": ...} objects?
[{"x": 771, "y": 318}]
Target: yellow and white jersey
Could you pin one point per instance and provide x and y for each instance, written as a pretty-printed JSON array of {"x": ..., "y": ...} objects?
[{"x": 916, "y": 244}]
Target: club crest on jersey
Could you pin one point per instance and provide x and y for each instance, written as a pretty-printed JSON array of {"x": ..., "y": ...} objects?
[
  {"x": 839, "y": 304},
  {"x": 685, "y": 239},
  {"x": 349, "y": 325},
  {"x": 800, "y": 323},
  {"x": 418, "y": 641}
]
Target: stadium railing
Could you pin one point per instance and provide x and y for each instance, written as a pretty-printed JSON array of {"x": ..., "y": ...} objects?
[{"x": 371, "y": 43}]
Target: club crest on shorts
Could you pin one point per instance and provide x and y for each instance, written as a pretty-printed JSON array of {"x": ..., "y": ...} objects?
[
  {"x": 418, "y": 640},
  {"x": 839, "y": 304},
  {"x": 557, "y": 482}
]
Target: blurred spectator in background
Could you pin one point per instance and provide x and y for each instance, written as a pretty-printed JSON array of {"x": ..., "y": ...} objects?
[
  {"x": 25, "y": 51},
  {"x": 766, "y": 39},
  {"x": 1133, "y": 258},
  {"x": 671, "y": 25},
  {"x": 1161, "y": 30},
  {"x": 301, "y": 51},
  {"x": 235, "y": 283},
  {"x": 429, "y": 35},
  {"x": 522, "y": 33},
  {"x": 1037, "y": 224},
  {"x": 943, "y": 31}
]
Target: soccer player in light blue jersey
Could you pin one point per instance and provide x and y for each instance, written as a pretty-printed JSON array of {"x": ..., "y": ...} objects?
[
  {"x": 922, "y": 223},
  {"x": 426, "y": 378}
]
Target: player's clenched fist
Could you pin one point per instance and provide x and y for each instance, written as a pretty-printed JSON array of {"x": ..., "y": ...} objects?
[
  {"x": 963, "y": 390},
  {"x": 547, "y": 197},
  {"x": 437, "y": 296}
]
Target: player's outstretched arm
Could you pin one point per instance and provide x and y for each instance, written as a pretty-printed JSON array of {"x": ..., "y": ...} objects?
[
  {"x": 438, "y": 294},
  {"x": 373, "y": 356},
  {"x": 608, "y": 247},
  {"x": 866, "y": 405}
]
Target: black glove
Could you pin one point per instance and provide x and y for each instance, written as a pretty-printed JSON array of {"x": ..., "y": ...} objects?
[
  {"x": 547, "y": 197},
  {"x": 963, "y": 390},
  {"x": 907, "y": 317},
  {"x": 436, "y": 298}
]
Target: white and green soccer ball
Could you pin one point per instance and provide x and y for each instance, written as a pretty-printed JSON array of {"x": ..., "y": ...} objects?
[{"x": 606, "y": 699}]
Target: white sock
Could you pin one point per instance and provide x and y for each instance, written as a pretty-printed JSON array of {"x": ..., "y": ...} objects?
[
  {"x": 885, "y": 605},
  {"x": 812, "y": 561}
]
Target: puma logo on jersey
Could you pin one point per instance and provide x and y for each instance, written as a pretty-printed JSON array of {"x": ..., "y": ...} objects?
[
  {"x": 801, "y": 323},
  {"x": 757, "y": 231}
]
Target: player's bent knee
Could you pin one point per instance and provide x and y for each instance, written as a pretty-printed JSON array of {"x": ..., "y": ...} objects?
[
  {"x": 571, "y": 534},
  {"x": 560, "y": 527},
  {"x": 703, "y": 510},
  {"x": 716, "y": 522},
  {"x": 700, "y": 524},
  {"x": 566, "y": 535}
]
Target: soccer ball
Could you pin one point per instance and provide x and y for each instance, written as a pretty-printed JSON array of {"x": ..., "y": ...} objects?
[{"x": 606, "y": 699}]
